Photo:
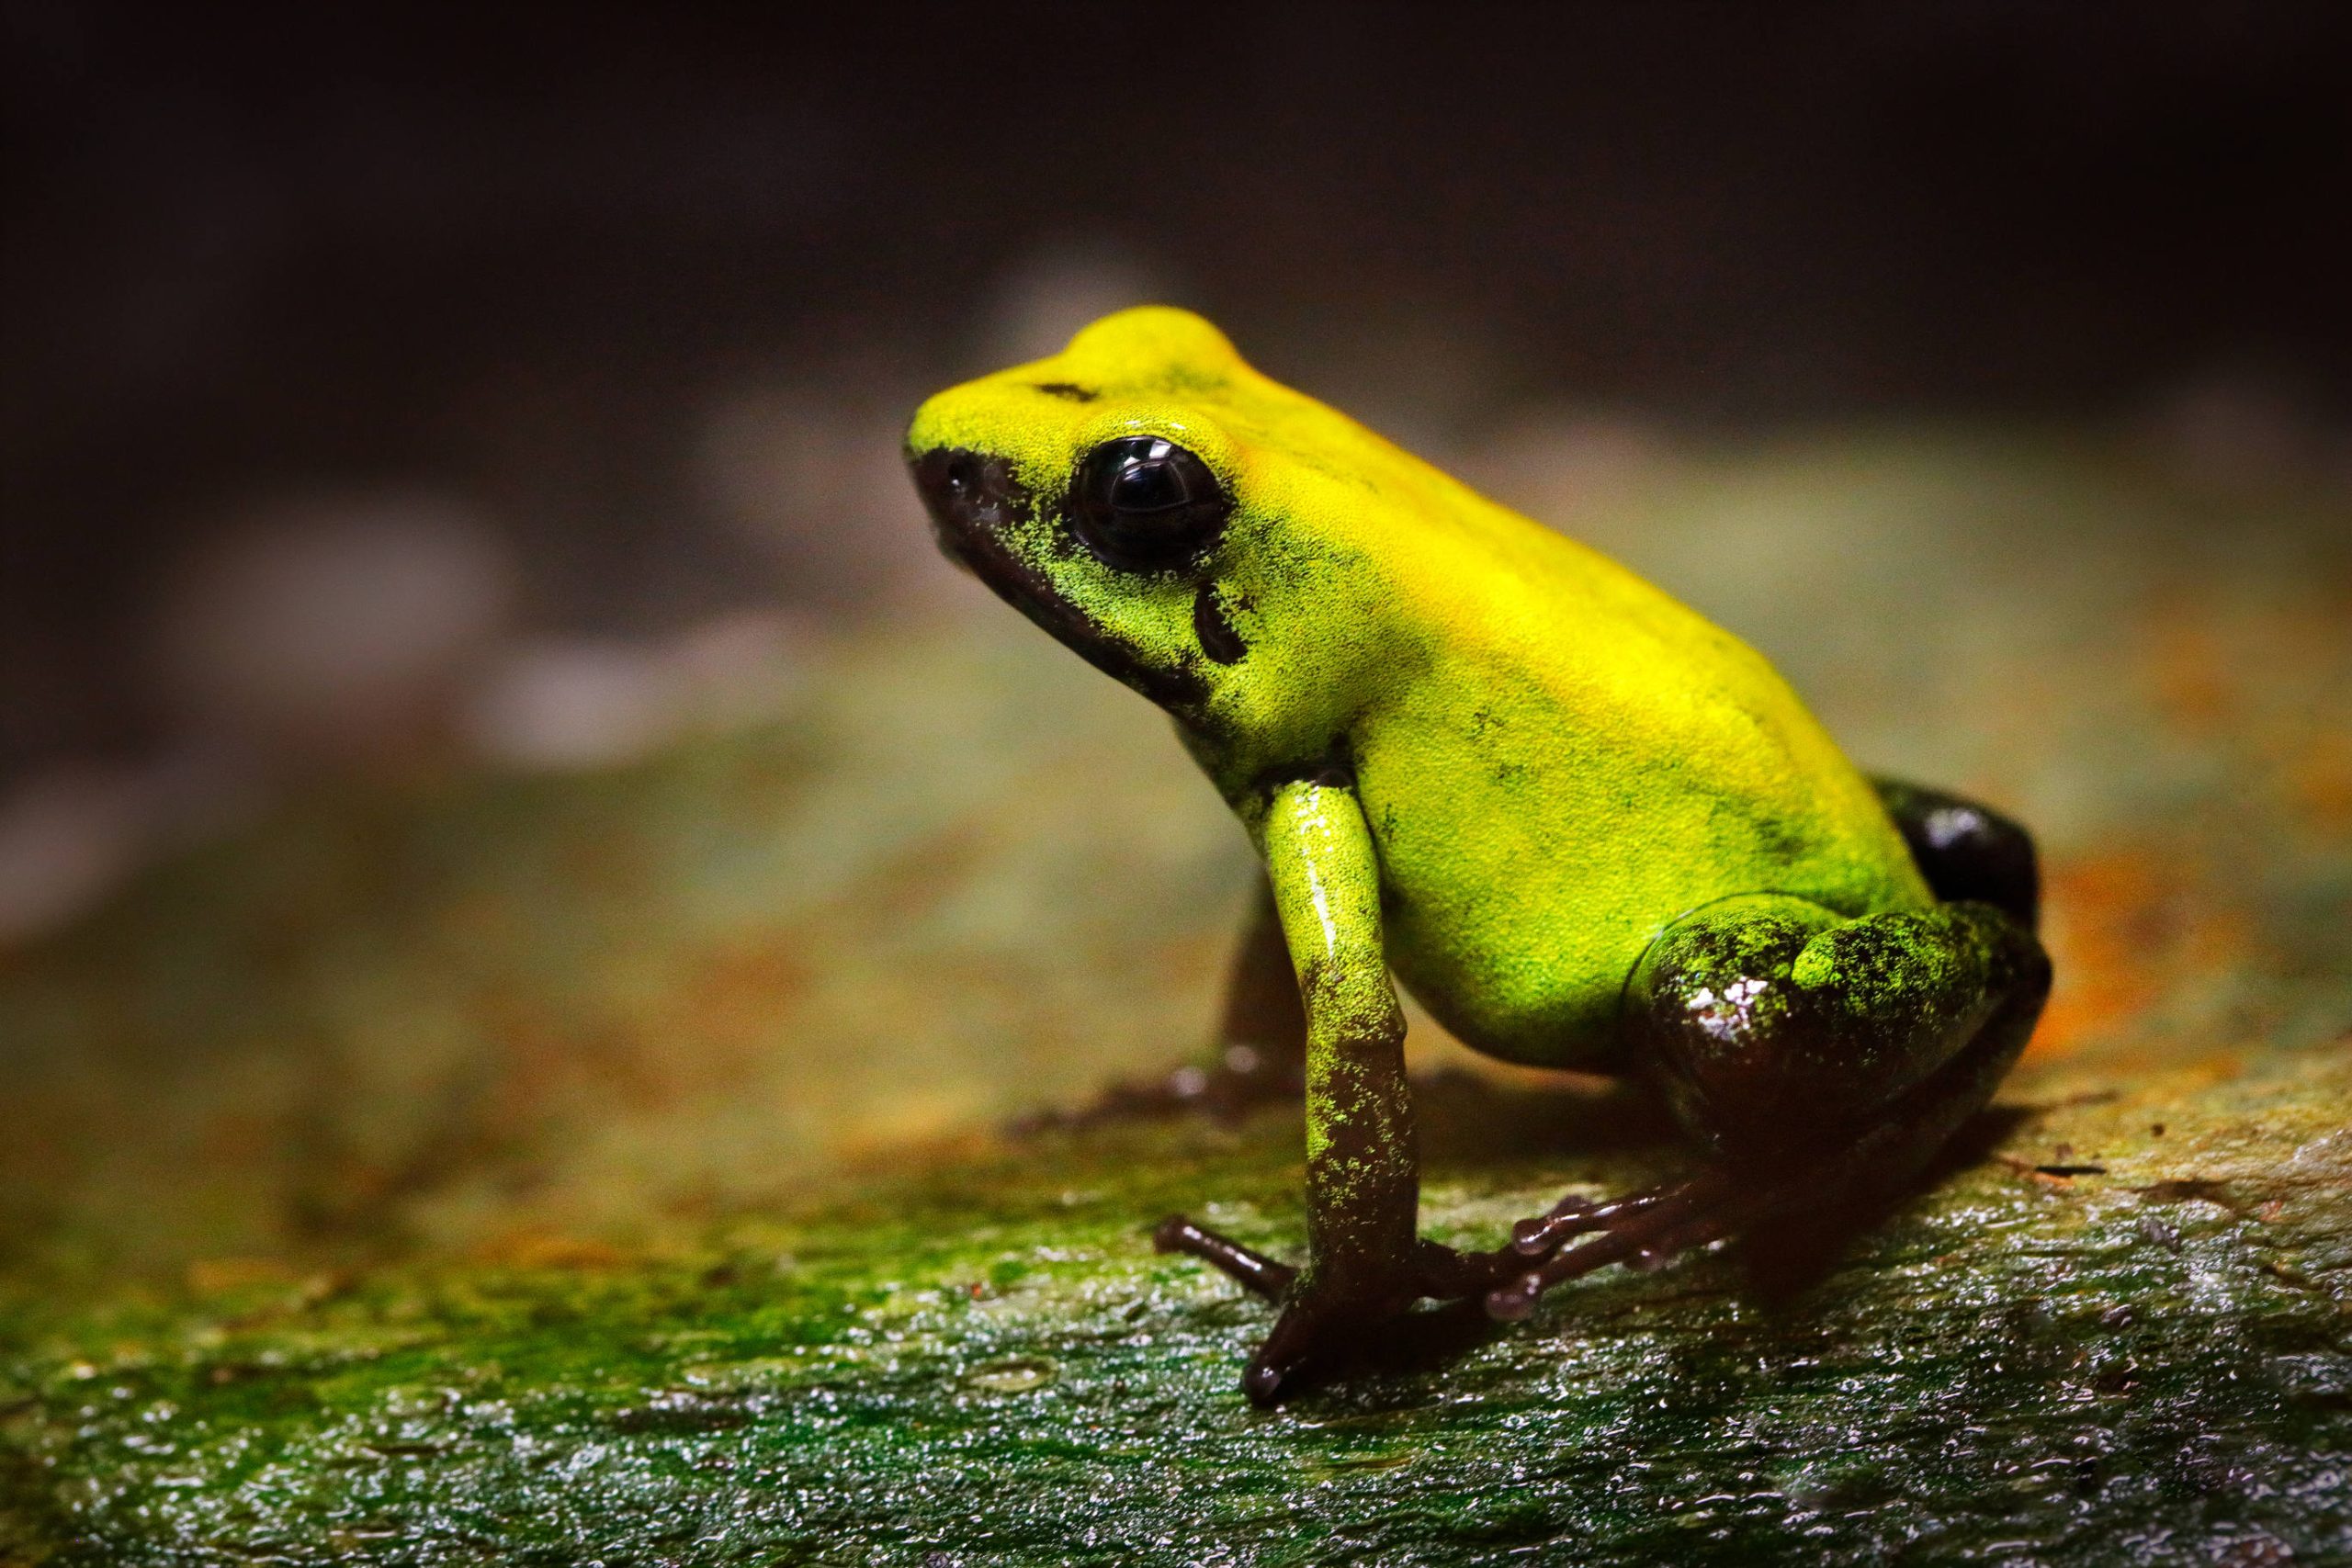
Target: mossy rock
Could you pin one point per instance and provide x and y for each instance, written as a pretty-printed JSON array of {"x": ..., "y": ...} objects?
[
  {"x": 2134, "y": 1349},
  {"x": 598, "y": 1170}
]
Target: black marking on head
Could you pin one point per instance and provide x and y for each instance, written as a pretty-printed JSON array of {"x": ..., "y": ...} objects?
[
  {"x": 1218, "y": 639},
  {"x": 1069, "y": 390}
]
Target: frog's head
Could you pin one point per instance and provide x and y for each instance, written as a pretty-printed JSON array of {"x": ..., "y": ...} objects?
[{"x": 1179, "y": 521}]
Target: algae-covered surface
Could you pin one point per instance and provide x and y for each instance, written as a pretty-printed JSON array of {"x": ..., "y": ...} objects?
[
  {"x": 2147, "y": 1363},
  {"x": 602, "y": 1169}
]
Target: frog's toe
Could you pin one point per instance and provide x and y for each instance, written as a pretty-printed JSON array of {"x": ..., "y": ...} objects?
[
  {"x": 1321, "y": 1329},
  {"x": 1642, "y": 1232},
  {"x": 1253, "y": 1269}
]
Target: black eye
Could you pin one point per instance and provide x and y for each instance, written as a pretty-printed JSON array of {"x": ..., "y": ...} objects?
[{"x": 1143, "y": 502}]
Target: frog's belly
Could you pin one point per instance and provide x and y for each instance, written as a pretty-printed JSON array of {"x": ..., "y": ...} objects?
[{"x": 1518, "y": 989}]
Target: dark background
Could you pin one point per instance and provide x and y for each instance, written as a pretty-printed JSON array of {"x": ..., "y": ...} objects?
[{"x": 514, "y": 258}]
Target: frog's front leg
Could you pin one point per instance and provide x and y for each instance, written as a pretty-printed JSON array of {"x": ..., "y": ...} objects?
[{"x": 1363, "y": 1178}]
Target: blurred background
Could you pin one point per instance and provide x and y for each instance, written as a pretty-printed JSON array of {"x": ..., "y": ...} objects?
[{"x": 481, "y": 724}]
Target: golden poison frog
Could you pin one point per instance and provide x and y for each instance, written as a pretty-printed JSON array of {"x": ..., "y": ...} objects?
[{"x": 1584, "y": 827}]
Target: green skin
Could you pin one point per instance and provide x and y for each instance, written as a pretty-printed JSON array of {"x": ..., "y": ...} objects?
[{"x": 1588, "y": 829}]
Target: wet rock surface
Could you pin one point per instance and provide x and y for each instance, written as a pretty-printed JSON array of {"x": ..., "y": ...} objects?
[{"x": 526, "y": 1169}]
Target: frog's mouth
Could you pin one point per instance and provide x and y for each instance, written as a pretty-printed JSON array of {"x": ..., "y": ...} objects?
[{"x": 972, "y": 497}]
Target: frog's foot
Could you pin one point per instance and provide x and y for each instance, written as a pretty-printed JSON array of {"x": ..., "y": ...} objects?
[
  {"x": 1317, "y": 1323},
  {"x": 1321, "y": 1322},
  {"x": 1243, "y": 1078},
  {"x": 1740, "y": 1196},
  {"x": 1642, "y": 1231},
  {"x": 1648, "y": 1229}
]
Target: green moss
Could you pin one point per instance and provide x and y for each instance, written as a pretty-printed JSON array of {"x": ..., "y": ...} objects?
[{"x": 985, "y": 1359}]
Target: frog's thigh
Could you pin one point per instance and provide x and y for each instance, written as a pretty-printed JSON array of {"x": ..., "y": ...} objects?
[{"x": 1775, "y": 1026}]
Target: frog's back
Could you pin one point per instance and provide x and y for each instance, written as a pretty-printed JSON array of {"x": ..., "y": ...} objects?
[{"x": 1574, "y": 759}]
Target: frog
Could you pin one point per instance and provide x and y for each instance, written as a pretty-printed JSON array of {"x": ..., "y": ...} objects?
[{"x": 1584, "y": 827}]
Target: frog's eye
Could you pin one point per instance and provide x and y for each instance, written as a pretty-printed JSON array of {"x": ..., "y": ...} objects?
[{"x": 1143, "y": 502}]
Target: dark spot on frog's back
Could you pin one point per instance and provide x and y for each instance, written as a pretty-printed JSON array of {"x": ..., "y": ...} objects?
[
  {"x": 1069, "y": 391},
  {"x": 1780, "y": 840}
]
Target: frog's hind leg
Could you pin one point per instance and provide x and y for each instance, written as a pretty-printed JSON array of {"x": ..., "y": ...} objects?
[
  {"x": 1966, "y": 850},
  {"x": 1261, "y": 1045},
  {"x": 1824, "y": 1060}
]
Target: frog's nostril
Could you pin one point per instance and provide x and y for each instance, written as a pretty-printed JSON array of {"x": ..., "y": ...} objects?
[{"x": 966, "y": 492}]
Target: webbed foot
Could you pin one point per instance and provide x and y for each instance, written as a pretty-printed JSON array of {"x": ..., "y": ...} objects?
[{"x": 1641, "y": 1231}]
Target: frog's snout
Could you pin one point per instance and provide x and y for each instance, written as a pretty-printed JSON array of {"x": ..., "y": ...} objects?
[
  {"x": 970, "y": 495},
  {"x": 974, "y": 503}
]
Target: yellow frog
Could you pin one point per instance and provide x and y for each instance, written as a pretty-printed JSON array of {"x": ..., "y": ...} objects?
[{"x": 1585, "y": 826}]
